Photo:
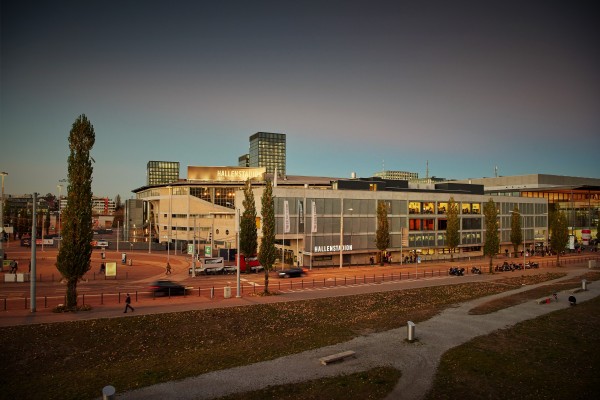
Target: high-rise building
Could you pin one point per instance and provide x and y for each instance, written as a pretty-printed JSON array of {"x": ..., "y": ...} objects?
[
  {"x": 268, "y": 150},
  {"x": 161, "y": 172},
  {"x": 244, "y": 160}
]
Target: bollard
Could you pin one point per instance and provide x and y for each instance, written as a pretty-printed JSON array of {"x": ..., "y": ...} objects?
[
  {"x": 583, "y": 284},
  {"x": 212, "y": 292},
  {"x": 411, "y": 331},
  {"x": 108, "y": 393}
]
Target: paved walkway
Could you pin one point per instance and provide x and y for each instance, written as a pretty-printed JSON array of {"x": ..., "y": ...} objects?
[{"x": 418, "y": 361}]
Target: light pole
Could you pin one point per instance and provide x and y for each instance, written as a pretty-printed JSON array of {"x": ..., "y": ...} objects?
[
  {"x": 3, "y": 174},
  {"x": 523, "y": 230},
  {"x": 342, "y": 232}
]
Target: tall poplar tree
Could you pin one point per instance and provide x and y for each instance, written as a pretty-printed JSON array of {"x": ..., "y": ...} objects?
[
  {"x": 452, "y": 227},
  {"x": 248, "y": 231},
  {"x": 516, "y": 233},
  {"x": 560, "y": 233},
  {"x": 268, "y": 252},
  {"x": 492, "y": 241},
  {"x": 382, "y": 238},
  {"x": 73, "y": 259}
]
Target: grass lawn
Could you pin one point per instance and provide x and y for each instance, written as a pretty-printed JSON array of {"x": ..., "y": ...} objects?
[{"x": 74, "y": 360}]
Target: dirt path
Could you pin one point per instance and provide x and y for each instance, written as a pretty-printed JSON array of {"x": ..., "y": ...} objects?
[{"x": 418, "y": 361}]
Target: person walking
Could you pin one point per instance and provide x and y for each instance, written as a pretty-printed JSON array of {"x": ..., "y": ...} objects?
[
  {"x": 128, "y": 304},
  {"x": 168, "y": 269}
]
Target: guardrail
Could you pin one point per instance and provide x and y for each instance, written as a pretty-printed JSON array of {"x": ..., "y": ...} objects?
[{"x": 281, "y": 285}]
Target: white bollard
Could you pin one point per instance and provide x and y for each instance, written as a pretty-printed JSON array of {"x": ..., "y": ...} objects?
[
  {"x": 583, "y": 284},
  {"x": 411, "y": 331},
  {"x": 108, "y": 393}
]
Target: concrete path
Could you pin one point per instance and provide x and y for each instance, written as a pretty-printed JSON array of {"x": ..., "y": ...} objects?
[{"x": 418, "y": 361}]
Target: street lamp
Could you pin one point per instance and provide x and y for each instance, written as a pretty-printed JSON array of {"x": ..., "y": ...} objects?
[
  {"x": 342, "y": 233},
  {"x": 3, "y": 174},
  {"x": 523, "y": 229}
]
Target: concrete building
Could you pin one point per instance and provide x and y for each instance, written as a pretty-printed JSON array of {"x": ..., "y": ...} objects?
[
  {"x": 577, "y": 197},
  {"x": 333, "y": 221}
]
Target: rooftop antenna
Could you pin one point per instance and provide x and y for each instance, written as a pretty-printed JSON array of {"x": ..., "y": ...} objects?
[
  {"x": 496, "y": 171},
  {"x": 383, "y": 165},
  {"x": 427, "y": 171}
]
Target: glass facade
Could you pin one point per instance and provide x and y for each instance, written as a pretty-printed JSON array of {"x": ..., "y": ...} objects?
[
  {"x": 268, "y": 150},
  {"x": 162, "y": 172}
]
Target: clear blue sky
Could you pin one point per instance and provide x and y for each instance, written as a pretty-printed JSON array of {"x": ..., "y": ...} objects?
[{"x": 465, "y": 85}]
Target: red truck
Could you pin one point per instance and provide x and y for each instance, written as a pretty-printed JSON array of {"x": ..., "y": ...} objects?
[{"x": 250, "y": 264}]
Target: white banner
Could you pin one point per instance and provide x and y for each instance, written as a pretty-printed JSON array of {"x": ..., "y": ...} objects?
[
  {"x": 313, "y": 227},
  {"x": 286, "y": 212}
]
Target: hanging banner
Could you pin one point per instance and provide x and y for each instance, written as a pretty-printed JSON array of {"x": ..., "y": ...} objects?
[
  {"x": 313, "y": 228},
  {"x": 286, "y": 216},
  {"x": 300, "y": 216}
]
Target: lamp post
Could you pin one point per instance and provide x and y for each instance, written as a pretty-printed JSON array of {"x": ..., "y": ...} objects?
[
  {"x": 523, "y": 230},
  {"x": 342, "y": 232},
  {"x": 3, "y": 174}
]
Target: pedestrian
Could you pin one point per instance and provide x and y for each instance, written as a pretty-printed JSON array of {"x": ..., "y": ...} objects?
[
  {"x": 168, "y": 269},
  {"x": 102, "y": 268},
  {"x": 128, "y": 304}
]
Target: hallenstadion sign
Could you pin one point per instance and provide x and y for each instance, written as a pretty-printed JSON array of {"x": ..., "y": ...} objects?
[{"x": 225, "y": 173}]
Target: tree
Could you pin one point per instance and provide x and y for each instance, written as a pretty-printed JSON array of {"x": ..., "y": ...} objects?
[
  {"x": 516, "y": 234},
  {"x": 452, "y": 227},
  {"x": 73, "y": 259},
  {"x": 268, "y": 252},
  {"x": 560, "y": 233},
  {"x": 382, "y": 238},
  {"x": 248, "y": 231},
  {"x": 492, "y": 241}
]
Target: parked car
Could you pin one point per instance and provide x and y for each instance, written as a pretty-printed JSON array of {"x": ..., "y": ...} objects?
[
  {"x": 167, "y": 288},
  {"x": 293, "y": 272}
]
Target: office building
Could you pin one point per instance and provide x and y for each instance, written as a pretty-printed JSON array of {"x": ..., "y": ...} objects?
[
  {"x": 244, "y": 160},
  {"x": 268, "y": 150},
  {"x": 577, "y": 197},
  {"x": 162, "y": 172}
]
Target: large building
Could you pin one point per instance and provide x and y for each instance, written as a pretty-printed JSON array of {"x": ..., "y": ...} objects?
[
  {"x": 161, "y": 172},
  {"x": 577, "y": 197},
  {"x": 329, "y": 221},
  {"x": 268, "y": 150}
]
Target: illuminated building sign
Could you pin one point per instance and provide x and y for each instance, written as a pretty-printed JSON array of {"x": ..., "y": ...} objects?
[
  {"x": 325, "y": 249},
  {"x": 224, "y": 173}
]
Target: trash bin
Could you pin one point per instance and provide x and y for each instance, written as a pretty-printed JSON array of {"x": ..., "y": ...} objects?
[
  {"x": 227, "y": 292},
  {"x": 130, "y": 262},
  {"x": 124, "y": 258}
]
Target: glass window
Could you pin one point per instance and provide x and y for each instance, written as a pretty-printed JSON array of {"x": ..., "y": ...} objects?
[
  {"x": 466, "y": 208},
  {"x": 442, "y": 207},
  {"x": 427, "y": 207},
  {"x": 414, "y": 207}
]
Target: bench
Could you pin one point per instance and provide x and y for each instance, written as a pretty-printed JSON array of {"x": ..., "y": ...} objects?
[{"x": 337, "y": 357}]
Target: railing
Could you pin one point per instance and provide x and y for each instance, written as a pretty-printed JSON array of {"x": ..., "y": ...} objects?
[{"x": 281, "y": 285}]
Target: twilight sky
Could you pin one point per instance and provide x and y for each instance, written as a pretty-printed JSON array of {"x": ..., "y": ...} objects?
[{"x": 355, "y": 85}]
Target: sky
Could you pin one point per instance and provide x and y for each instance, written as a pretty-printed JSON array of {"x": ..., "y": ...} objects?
[{"x": 357, "y": 86}]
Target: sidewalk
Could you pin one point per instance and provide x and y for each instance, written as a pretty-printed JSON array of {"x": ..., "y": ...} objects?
[{"x": 417, "y": 361}]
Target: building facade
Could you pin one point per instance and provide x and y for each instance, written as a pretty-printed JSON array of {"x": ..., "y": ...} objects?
[
  {"x": 325, "y": 221},
  {"x": 162, "y": 172},
  {"x": 268, "y": 150},
  {"x": 577, "y": 197}
]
